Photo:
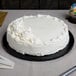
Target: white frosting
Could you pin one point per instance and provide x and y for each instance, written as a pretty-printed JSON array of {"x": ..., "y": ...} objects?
[{"x": 37, "y": 35}]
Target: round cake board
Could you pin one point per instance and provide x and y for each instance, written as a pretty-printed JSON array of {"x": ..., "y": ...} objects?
[{"x": 56, "y": 55}]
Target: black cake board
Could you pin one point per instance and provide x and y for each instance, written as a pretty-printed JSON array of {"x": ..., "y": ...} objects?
[{"x": 56, "y": 55}]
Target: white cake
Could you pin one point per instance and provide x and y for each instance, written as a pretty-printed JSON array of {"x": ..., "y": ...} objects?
[{"x": 37, "y": 35}]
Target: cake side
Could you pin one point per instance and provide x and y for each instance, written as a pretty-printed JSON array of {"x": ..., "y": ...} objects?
[{"x": 37, "y": 35}]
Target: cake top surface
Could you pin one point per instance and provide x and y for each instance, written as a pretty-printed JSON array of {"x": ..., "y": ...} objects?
[{"x": 37, "y": 30}]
